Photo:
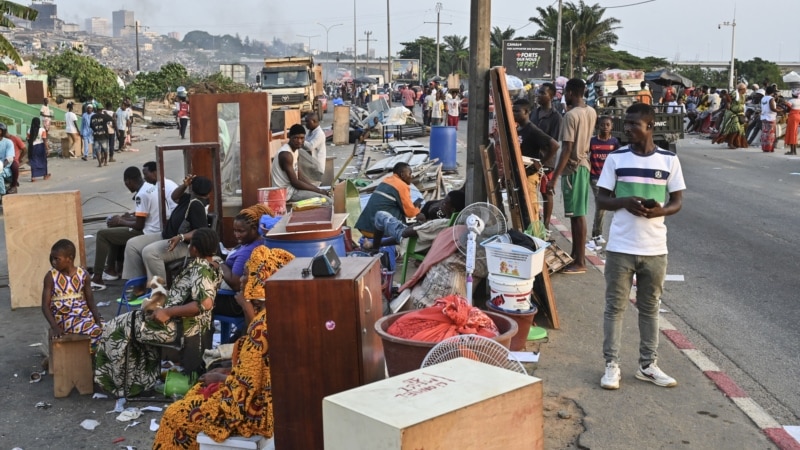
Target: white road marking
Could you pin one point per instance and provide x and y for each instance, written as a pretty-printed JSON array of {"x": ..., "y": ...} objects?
[
  {"x": 700, "y": 360},
  {"x": 755, "y": 412}
]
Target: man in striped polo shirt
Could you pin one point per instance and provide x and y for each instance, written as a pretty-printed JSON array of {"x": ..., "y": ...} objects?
[{"x": 642, "y": 183}]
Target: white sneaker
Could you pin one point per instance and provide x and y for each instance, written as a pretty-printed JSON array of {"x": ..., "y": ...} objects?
[
  {"x": 611, "y": 378},
  {"x": 654, "y": 375},
  {"x": 107, "y": 277},
  {"x": 591, "y": 246},
  {"x": 599, "y": 240}
]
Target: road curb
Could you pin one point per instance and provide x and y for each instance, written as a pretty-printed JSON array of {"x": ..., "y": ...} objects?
[{"x": 785, "y": 437}]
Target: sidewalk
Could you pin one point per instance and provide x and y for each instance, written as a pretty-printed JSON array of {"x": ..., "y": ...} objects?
[{"x": 694, "y": 414}]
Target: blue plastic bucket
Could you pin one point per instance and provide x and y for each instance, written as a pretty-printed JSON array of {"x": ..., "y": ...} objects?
[
  {"x": 310, "y": 247},
  {"x": 443, "y": 146}
]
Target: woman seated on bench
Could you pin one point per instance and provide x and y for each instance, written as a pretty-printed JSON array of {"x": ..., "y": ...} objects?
[
  {"x": 128, "y": 360},
  {"x": 236, "y": 400}
]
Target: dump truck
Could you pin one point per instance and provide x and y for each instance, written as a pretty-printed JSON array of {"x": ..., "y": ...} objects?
[{"x": 292, "y": 81}]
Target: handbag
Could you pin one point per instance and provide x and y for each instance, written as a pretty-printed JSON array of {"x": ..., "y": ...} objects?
[{"x": 186, "y": 226}]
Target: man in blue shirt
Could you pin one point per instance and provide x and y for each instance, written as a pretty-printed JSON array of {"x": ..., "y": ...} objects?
[{"x": 7, "y": 153}]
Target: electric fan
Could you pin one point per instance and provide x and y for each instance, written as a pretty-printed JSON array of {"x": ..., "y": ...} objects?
[
  {"x": 474, "y": 347},
  {"x": 482, "y": 221}
]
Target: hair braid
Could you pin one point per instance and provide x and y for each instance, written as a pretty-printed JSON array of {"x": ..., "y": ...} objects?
[{"x": 252, "y": 215}]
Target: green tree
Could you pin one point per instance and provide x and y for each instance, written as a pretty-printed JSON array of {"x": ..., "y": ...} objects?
[
  {"x": 457, "y": 53},
  {"x": 703, "y": 75},
  {"x": 758, "y": 70},
  {"x": 156, "y": 84},
  {"x": 592, "y": 31},
  {"x": 496, "y": 42},
  {"x": 90, "y": 79},
  {"x": 18, "y": 11}
]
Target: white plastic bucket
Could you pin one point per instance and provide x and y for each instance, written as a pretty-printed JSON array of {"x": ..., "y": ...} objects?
[{"x": 512, "y": 294}]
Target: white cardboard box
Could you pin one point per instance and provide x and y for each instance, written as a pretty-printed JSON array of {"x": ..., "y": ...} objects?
[
  {"x": 459, "y": 404},
  {"x": 235, "y": 442}
]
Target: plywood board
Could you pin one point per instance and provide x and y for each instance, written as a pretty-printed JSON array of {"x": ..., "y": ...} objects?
[
  {"x": 310, "y": 219},
  {"x": 30, "y": 234},
  {"x": 341, "y": 125}
]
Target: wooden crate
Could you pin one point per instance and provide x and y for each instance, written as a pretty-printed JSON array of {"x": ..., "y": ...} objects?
[
  {"x": 556, "y": 258},
  {"x": 460, "y": 404},
  {"x": 71, "y": 365},
  {"x": 341, "y": 125}
]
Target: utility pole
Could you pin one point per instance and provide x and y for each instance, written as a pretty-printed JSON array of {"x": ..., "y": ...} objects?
[
  {"x": 327, "y": 44},
  {"x": 478, "y": 119},
  {"x": 558, "y": 42},
  {"x": 309, "y": 39},
  {"x": 368, "y": 34},
  {"x": 388, "y": 46},
  {"x": 355, "y": 43},
  {"x": 438, "y": 24},
  {"x": 136, "y": 26},
  {"x": 731, "y": 78}
]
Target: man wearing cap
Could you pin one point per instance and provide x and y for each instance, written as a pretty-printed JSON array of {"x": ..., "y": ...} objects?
[
  {"x": 7, "y": 153},
  {"x": 284, "y": 169}
]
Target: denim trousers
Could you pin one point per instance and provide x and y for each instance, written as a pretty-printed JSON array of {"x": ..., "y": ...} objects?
[
  {"x": 390, "y": 225},
  {"x": 597, "y": 223},
  {"x": 650, "y": 272}
]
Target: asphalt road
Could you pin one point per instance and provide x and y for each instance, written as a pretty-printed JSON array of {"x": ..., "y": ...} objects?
[{"x": 736, "y": 242}]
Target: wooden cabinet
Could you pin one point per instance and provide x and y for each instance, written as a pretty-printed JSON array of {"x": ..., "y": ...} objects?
[{"x": 322, "y": 341}]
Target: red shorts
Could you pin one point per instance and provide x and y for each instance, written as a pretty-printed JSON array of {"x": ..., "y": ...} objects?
[{"x": 547, "y": 178}]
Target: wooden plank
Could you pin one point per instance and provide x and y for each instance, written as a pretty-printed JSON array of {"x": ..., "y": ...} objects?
[
  {"x": 513, "y": 168},
  {"x": 29, "y": 238},
  {"x": 310, "y": 220},
  {"x": 71, "y": 365},
  {"x": 341, "y": 125},
  {"x": 279, "y": 230},
  {"x": 546, "y": 301},
  {"x": 491, "y": 176}
]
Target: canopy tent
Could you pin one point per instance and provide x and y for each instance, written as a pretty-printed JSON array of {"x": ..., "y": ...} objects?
[
  {"x": 791, "y": 77},
  {"x": 666, "y": 76},
  {"x": 365, "y": 80}
]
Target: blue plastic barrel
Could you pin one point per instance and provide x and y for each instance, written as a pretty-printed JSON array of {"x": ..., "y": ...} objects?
[
  {"x": 443, "y": 146},
  {"x": 310, "y": 247}
]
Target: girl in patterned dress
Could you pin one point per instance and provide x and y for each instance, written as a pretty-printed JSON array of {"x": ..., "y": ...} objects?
[{"x": 67, "y": 301}]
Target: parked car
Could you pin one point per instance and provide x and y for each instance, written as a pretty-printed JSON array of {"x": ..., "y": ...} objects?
[{"x": 464, "y": 108}]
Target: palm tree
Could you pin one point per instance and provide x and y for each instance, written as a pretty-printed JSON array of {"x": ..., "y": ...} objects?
[
  {"x": 496, "y": 40},
  {"x": 20, "y": 12},
  {"x": 592, "y": 31},
  {"x": 456, "y": 46}
]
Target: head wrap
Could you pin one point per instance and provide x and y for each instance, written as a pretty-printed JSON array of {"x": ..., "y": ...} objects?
[{"x": 262, "y": 264}]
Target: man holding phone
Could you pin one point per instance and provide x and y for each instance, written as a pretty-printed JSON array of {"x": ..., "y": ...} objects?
[{"x": 642, "y": 183}]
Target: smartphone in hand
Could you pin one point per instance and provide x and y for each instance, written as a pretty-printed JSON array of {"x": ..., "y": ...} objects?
[{"x": 649, "y": 203}]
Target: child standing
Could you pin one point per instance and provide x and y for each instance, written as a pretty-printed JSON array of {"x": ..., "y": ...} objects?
[
  {"x": 599, "y": 148},
  {"x": 67, "y": 301}
]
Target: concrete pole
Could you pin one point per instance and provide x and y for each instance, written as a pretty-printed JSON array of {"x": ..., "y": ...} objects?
[
  {"x": 558, "y": 42},
  {"x": 388, "y": 45},
  {"x": 438, "y": 24},
  {"x": 355, "y": 43},
  {"x": 478, "y": 114}
]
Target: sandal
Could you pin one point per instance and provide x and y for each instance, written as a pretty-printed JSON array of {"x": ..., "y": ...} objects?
[
  {"x": 47, "y": 177},
  {"x": 98, "y": 287}
]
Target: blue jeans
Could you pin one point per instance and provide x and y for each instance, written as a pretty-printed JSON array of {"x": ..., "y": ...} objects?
[
  {"x": 650, "y": 272},
  {"x": 87, "y": 144},
  {"x": 390, "y": 225}
]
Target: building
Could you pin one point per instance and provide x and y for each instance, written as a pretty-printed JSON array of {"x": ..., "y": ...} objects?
[
  {"x": 98, "y": 26},
  {"x": 174, "y": 35},
  {"x": 70, "y": 28},
  {"x": 123, "y": 23},
  {"x": 48, "y": 15}
]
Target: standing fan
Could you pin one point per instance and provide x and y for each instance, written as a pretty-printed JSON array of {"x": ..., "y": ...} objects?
[
  {"x": 482, "y": 221},
  {"x": 476, "y": 348}
]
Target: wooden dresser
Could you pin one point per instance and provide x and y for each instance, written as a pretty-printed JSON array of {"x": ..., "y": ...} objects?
[{"x": 322, "y": 341}]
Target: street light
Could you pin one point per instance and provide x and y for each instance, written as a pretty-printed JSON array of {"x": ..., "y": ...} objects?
[
  {"x": 327, "y": 47},
  {"x": 733, "y": 45},
  {"x": 309, "y": 39}
]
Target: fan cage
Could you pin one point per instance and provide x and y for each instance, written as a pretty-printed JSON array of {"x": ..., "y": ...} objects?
[{"x": 476, "y": 348}]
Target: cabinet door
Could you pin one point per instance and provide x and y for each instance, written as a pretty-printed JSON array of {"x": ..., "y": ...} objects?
[{"x": 370, "y": 309}]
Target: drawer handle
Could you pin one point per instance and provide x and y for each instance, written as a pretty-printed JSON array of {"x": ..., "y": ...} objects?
[{"x": 369, "y": 308}]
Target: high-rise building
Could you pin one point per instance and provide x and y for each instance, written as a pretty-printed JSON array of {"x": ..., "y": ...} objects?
[
  {"x": 48, "y": 13},
  {"x": 98, "y": 25},
  {"x": 123, "y": 23}
]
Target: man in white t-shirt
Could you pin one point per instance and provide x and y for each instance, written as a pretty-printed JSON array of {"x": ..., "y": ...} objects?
[
  {"x": 312, "y": 163},
  {"x": 642, "y": 184},
  {"x": 121, "y": 120},
  {"x": 150, "y": 175},
  {"x": 71, "y": 128},
  {"x": 144, "y": 219}
]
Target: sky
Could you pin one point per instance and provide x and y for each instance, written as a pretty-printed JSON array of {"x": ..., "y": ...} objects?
[{"x": 685, "y": 30}]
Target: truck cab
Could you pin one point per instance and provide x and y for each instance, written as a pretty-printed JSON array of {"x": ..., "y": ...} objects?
[{"x": 291, "y": 82}]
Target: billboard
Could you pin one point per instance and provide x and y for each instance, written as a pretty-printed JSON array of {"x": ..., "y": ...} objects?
[
  {"x": 405, "y": 70},
  {"x": 528, "y": 59}
]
